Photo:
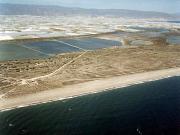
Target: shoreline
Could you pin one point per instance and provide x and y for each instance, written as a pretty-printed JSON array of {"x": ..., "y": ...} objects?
[
  {"x": 59, "y": 37},
  {"x": 86, "y": 88}
]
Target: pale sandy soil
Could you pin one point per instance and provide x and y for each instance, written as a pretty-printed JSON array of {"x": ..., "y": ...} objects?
[
  {"x": 19, "y": 78},
  {"x": 86, "y": 88}
]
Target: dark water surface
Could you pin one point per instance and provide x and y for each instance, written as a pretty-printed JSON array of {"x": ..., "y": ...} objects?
[{"x": 144, "y": 109}]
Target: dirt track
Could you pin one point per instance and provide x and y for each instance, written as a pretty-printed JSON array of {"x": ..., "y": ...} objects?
[{"x": 91, "y": 66}]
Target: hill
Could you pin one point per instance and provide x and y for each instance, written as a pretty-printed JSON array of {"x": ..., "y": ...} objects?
[{"x": 43, "y": 10}]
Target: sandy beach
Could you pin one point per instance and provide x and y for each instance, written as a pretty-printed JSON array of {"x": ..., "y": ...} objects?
[{"x": 90, "y": 87}]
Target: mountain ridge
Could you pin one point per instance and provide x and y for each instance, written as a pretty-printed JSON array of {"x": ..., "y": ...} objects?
[{"x": 53, "y": 10}]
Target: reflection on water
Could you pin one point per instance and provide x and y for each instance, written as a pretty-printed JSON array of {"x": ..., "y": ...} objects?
[{"x": 148, "y": 109}]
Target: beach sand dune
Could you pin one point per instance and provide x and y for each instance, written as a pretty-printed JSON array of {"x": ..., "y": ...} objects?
[{"x": 86, "y": 88}]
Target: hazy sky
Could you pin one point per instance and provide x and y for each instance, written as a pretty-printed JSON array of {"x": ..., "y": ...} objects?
[{"x": 148, "y": 5}]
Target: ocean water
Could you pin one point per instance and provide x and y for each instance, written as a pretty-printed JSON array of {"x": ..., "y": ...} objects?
[{"x": 152, "y": 108}]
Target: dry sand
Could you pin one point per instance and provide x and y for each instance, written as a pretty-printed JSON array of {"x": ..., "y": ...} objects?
[{"x": 86, "y": 88}]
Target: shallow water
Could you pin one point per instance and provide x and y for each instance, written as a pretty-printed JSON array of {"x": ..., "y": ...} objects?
[
  {"x": 14, "y": 52},
  {"x": 51, "y": 47},
  {"x": 174, "y": 21},
  {"x": 92, "y": 43},
  {"x": 42, "y": 49},
  {"x": 174, "y": 40},
  {"x": 150, "y": 29},
  {"x": 145, "y": 109}
]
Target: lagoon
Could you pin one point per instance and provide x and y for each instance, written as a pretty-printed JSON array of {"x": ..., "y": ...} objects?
[{"x": 44, "y": 49}]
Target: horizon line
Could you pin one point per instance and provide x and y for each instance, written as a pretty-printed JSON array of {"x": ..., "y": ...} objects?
[{"x": 88, "y": 8}]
